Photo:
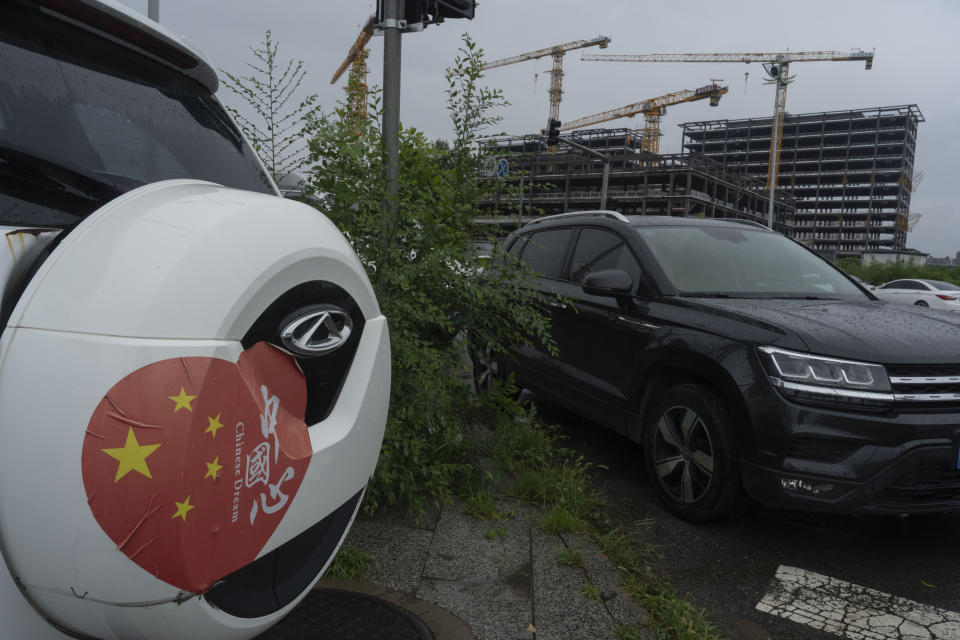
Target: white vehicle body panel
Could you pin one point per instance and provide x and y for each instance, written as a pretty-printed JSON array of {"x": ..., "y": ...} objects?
[
  {"x": 171, "y": 270},
  {"x": 927, "y": 296}
]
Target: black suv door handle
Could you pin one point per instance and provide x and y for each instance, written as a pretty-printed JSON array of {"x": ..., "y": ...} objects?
[{"x": 638, "y": 324}]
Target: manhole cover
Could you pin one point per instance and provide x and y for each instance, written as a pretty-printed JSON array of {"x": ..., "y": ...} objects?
[{"x": 332, "y": 614}]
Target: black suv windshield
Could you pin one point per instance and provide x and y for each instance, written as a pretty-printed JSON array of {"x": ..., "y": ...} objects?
[
  {"x": 715, "y": 261},
  {"x": 83, "y": 120}
]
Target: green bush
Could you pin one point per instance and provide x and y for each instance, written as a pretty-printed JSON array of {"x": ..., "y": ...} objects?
[
  {"x": 440, "y": 299},
  {"x": 877, "y": 273}
]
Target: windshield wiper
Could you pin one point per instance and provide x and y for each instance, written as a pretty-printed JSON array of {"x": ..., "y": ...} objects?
[
  {"x": 801, "y": 298},
  {"x": 704, "y": 294},
  {"x": 40, "y": 172}
]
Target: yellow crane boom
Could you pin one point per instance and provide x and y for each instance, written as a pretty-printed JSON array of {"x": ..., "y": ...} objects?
[
  {"x": 777, "y": 66},
  {"x": 652, "y": 110},
  {"x": 356, "y": 49},
  {"x": 785, "y": 56},
  {"x": 556, "y": 74}
]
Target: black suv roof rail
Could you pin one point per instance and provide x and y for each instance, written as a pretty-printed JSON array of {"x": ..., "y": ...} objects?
[
  {"x": 749, "y": 223},
  {"x": 616, "y": 215}
]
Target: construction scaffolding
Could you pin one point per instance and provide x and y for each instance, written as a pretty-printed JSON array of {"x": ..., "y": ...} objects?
[
  {"x": 640, "y": 183},
  {"x": 851, "y": 172}
]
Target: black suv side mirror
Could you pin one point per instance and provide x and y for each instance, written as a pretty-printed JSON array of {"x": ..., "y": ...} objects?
[{"x": 609, "y": 282}]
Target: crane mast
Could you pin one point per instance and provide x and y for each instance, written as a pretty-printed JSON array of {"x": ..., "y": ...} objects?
[
  {"x": 357, "y": 58},
  {"x": 777, "y": 66},
  {"x": 652, "y": 109}
]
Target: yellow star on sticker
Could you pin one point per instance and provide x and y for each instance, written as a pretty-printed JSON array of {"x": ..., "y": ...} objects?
[
  {"x": 182, "y": 509},
  {"x": 213, "y": 468},
  {"x": 132, "y": 456},
  {"x": 214, "y": 425},
  {"x": 182, "y": 400}
]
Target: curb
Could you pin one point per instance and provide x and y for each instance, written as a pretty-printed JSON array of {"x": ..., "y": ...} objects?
[{"x": 442, "y": 624}]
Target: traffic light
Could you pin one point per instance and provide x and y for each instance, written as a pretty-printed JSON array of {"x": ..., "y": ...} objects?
[
  {"x": 453, "y": 9},
  {"x": 553, "y": 132},
  {"x": 433, "y": 11}
]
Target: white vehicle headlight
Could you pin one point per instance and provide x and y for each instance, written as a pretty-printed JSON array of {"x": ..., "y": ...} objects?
[{"x": 807, "y": 377}]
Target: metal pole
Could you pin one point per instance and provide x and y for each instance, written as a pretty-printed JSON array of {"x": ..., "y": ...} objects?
[
  {"x": 779, "y": 113},
  {"x": 772, "y": 168},
  {"x": 606, "y": 167},
  {"x": 603, "y": 184},
  {"x": 153, "y": 10},
  {"x": 392, "y": 10},
  {"x": 520, "y": 206}
]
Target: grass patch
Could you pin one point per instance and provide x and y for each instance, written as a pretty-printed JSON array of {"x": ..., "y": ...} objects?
[
  {"x": 559, "y": 520},
  {"x": 670, "y": 615},
  {"x": 484, "y": 506},
  {"x": 571, "y": 558},
  {"x": 592, "y": 592},
  {"x": 351, "y": 563},
  {"x": 563, "y": 484},
  {"x": 627, "y": 632},
  {"x": 540, "y": 470},
  {"x": 496, "y": 533}
]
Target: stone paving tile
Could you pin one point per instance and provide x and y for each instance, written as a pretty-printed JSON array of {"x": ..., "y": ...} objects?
[
  {"x": 400, "y": 552},
  {"x": 484, "y": 581},
  {"x": 561, "y": 609},
  {"x": 493, "y": 610},
  {"x": 603, "y": 574},
  {"x": 462, "y": 550}
]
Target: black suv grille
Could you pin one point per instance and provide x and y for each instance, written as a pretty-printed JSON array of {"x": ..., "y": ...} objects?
[
  {"x": 921, "y": 370},
  {"x": 925, "y": 386}
]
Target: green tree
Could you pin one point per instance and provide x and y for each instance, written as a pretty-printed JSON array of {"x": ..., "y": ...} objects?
[
  {"x": 437, "y": 295},
  {"x": 281, "y": 126}
]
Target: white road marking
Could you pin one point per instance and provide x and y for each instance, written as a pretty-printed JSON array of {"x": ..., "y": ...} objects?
[{"x": 850, "y": 611}]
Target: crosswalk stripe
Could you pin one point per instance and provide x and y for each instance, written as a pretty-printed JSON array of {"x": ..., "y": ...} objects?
[{"x": 851, "y": 611}]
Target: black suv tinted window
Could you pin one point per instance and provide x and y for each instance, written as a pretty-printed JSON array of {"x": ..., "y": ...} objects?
[
  {"x": 598, "y": 250},
  {"x": 738, "y": 261},
  {"x": 544, "y": 251}
]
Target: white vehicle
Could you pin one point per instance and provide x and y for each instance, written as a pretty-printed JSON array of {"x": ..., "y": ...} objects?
[
  {"x": 922, "y": 293},
  {"x": 194, "y": 371}
]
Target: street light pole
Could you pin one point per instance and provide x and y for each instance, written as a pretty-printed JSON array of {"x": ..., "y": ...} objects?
[
  {"x": 392, "y": 10},
  {"x": 153, "y": 10},
  {"x": 776, "y": 132},
  {"x": 606, "y": 167}
]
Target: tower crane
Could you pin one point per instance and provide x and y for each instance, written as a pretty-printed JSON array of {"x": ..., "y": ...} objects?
[
  {"x": 652, "y": 110},
  {"x": 357, "y": 57},
  {"x": 777, "y": 66},
  {"x": 556, "y": 74}
]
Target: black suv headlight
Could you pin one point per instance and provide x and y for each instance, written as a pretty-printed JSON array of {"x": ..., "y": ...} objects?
[{"x": 817, "y": 379}]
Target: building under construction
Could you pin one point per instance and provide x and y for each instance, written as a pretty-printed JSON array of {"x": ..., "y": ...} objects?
[
  {"x": 640, "y": 183},
  {"x": 850, "y": 172}
]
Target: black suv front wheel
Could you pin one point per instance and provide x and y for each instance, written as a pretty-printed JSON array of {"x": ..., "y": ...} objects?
[{"x": 691, "y": 454}]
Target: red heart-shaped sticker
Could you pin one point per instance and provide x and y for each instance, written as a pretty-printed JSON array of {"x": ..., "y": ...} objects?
[{"x": 190, "y": 463}]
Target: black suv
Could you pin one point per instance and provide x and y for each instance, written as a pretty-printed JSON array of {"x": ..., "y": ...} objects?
[{"x": 746, "y": 365}]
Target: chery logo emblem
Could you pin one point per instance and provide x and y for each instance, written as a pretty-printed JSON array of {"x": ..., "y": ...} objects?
[{"x": 316, "y": 331}]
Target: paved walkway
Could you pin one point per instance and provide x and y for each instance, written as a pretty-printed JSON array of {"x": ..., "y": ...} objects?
[{"x": 467, "y": 578}]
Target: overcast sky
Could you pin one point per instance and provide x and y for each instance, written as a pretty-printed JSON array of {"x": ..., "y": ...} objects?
[{"x": 914, "y": 64}]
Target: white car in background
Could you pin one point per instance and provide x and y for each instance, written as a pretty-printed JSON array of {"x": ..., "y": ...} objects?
[
  {"x": 194, "y": 371},
  {"x": 934, "y": 294}
]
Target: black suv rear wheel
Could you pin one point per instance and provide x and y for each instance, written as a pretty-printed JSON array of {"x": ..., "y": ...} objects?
[{"x": 691, "y": 454}]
